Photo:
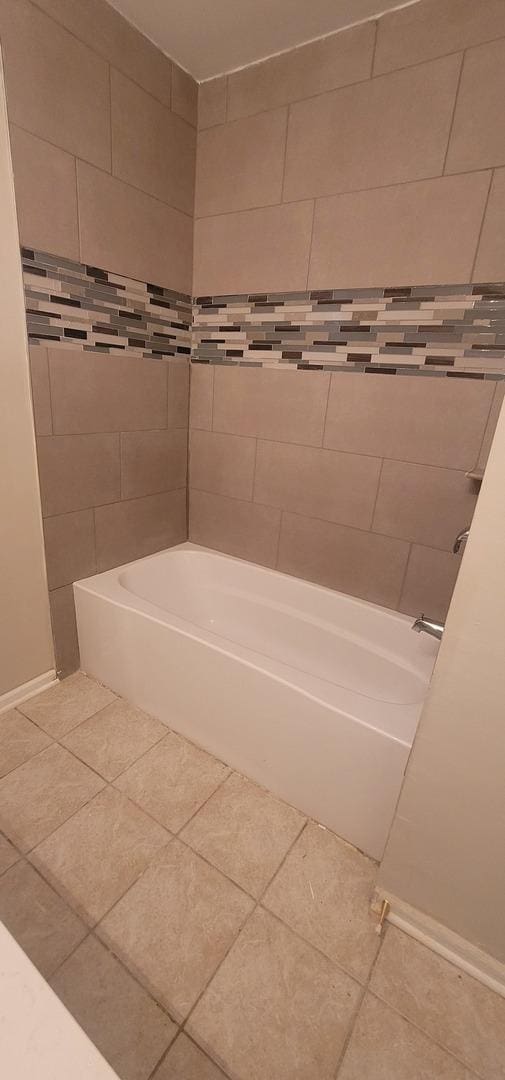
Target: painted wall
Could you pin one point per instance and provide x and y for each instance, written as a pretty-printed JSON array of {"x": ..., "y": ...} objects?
[
  {"x": 371, "y": 159},
  {"x": 25, "y": 634},
  {"x": 103, "y": 144},
  {"x": 445, "y": 852}
]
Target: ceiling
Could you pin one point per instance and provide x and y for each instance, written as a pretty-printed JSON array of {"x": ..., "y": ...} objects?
[{"x": 209, "y": 37}]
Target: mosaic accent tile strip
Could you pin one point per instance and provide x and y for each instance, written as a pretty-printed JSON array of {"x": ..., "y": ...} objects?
[
  {"x": 444, "y": 330},
  {"x": 72, "y": 305}
]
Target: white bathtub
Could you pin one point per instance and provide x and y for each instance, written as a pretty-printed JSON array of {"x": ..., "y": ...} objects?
[{"x": 309, "y": 692}]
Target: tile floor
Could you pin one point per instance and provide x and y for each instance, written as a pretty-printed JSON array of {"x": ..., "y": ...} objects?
[{"x": 198, "y": 928}]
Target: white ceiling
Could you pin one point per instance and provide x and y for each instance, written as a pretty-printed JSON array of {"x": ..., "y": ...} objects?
[{"x": 209, "y": 37}]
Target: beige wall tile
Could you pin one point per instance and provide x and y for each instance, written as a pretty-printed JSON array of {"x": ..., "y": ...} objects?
[
  {"x": 41, "y": 395},
  {"x": 121, "y": 229},
  {"x": 129, "y": 530},
  {"x": 66, "y": 644},
  {"x": 223, "y": 464},
  {"x": 93, "y": 393},
  {"x": 46, "y": 194},
  {"x": 333, "y": 61},
  {"x": 69, "y": 541},
  {"x": 77, "y": 471},
  {"x": 241, "y": 165},
  {"x": 434, "y": 28},
  {"x": 318, "y": 483},
  {"x": 456, "y": 1010},
  {"x": 421, "y": 232},
  {"x": 287, "y": 406},
  {"x": 178, "y": 394},
  {"x": 360, "y": 563},
  {"x": 429, "y": 582},
  {"x": 57, "y": 88},
  {"x": 265, "y": 249},
  {"x": 428, "y": 420},
  {"x": 152, "y": 149},
  {"x": 383, "y": 131},
  {"x": 201, "y": 395},
  {"x": 423, "y": 504},
  {"x": 184, "y": 94},
  {"x": 239, "y": 528},
  {"x": 491, "y": 251},
  {"x": 212, "y": 102},
  {"x": 494, "y": 413},
  {"x": 478, "y": 135},
  {"x": 103, "y": 28},
  {"x": 153, "y": 461},
  {"x": 387, "y": 1047}
]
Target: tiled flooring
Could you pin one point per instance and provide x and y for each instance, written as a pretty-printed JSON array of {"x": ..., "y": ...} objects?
[{"x": 198, "y": 928}]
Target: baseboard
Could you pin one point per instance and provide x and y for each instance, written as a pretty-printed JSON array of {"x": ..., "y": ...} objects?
[
  {"x": 29, "y": 689},
  {"x": 443, "y": 941}
]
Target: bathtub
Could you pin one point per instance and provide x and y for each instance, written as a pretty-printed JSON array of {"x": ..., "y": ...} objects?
[{"x": 311, "y": 693}]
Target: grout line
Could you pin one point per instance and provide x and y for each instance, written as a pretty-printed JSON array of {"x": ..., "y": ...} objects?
[
  {"x": 453, "y": 113},
  {"x": 481, "y": 230},
  {"x": 285, "y": 152},
  {"x": 309, "y": 252},
  {"x": 374, "y": 48},
  {"x": 379, "y": 478},
  {"x": 404, "y": 576}
]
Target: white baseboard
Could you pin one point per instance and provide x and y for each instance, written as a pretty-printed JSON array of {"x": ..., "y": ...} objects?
[
  {"x": 443, "y": 941},
  {"x": 29, "y": 689}
]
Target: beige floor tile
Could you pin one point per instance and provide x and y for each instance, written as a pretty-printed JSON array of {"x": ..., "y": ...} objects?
[
  {"x": 127, "y": 1026},
  {"x": 95, "y": 857},
  {"x": 245, "y": 832},
  {"x": 45, "y": 927},
  {"x": 61, "y": 708},
  {"x": 8, "y": 854},
  {"x": 37, "y": 797},
  {"x": 114, "y": 738},
  {"x": 456, "y": 1010},
  {"x": 386, "y": 1047},
  {"x": 276, "y": 1007},
  {"x": 175, "y": 925},
  {"x": 323, "y": 892},
  {"x": 172, "y": 780},
  {"x": 19, "y": 740},
  {"x": 185, "y": 1061}
]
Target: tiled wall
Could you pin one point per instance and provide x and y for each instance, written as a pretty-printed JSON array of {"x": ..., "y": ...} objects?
[
  {"x": 353, "y": 480},
  {"x": 103, "y": 139},
  {"x": 371, "y": 158},
  {"x": 335, "y": 184}
]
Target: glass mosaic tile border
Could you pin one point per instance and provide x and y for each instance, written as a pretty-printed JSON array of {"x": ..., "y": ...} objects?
[
  {"x": 77, "y": 306},
  {"x": 444, "y": 330}
]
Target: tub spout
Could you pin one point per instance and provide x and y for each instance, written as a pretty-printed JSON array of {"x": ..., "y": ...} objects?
[
  {"x": 460, "y": 539},
  {"x": 422, "y": 625}
]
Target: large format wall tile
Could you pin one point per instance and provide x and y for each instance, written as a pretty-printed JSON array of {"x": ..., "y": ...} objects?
[
  {"x": 384, "y": 131},
  {"x": 223, "y": 464},
  {"x": 423, "y": 504},
  {"x": 70, "y": 547},
  {"x": 152, "y": 148},
  {"x": 57, "y": 88},
  {"x": 433, "y": 28},
  {"x": 429, "y": 582},
  {"x": 212, "y": 102},
  {"x": 252, "y": 153},
  {"x": 121, "y": 229},
  {"x": 201, "y": 396},
  {"x": 318, "y": 483},
  {"x": 46, "y": 194},
  {"x": 137, "y": 527},
  {"x": 184, "y": 94},
  {"x": 421, "y": 232},
  {"x": 360, "y": 563},
  {"x": 103, "y": 28},
  {"x": 77, "y": 471},
  {"x": 41, "y": 393},
  {"x": 92, "y": 393},
  {"x": 478, "y": 134},
  {"x": 285, "y": 405},
  {"x": 239, "y": 528},
  {"x": 412, "y": 419},
  {"x": 332, "y": 61},
  {"x": 253, "y": 250},
  {"x": 152, "y": 461},
  {"x": 63, "y": 622},
  {"x": 490, "y": 261}
]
